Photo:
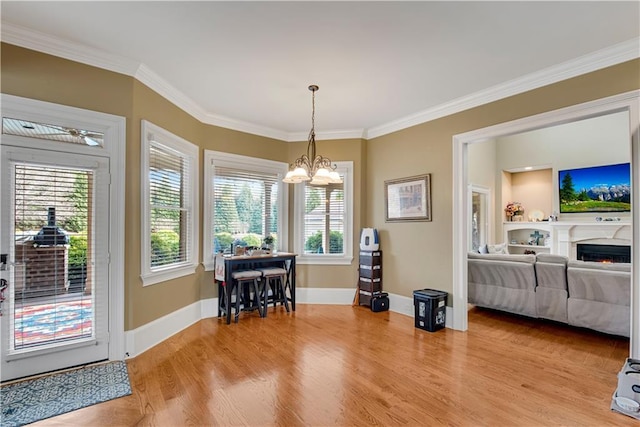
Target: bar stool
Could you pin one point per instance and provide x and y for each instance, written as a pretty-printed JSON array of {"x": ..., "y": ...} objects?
[
  {"x": 245, "y": 281},
  {"x": 273, "y": 280}
]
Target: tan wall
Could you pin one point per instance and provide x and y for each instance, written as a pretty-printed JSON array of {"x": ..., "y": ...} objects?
[
  {"x": 419, "y": 255},
  {"x": 534, "y": 190}
]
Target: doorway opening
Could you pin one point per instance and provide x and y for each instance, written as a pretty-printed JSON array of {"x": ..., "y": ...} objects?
[{"x": 628, "y": 103}]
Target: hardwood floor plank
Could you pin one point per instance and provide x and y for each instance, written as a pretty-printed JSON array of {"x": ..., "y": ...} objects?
[{"x": 346, "y": 366}]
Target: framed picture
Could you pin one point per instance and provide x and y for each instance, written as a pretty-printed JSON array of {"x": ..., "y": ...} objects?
[{"x": 408, "y": 199}]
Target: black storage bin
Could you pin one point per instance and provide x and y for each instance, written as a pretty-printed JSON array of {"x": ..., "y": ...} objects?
[{"x": 430, "y": 309}]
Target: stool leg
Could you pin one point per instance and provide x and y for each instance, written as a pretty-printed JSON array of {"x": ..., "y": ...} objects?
[
  {"x": 284, "y": 294},
  {"x": 238, "y": 293},
  {"x": 264, "y": 293}
]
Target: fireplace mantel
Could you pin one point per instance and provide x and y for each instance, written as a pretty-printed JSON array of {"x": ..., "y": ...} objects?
[{"x": 565, "y": 235}]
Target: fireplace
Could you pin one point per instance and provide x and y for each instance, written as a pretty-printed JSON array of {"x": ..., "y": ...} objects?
[{"x": 603, "y": 253}]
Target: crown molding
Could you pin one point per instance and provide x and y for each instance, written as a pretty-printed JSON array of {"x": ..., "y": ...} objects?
[
  {"x": 327, "y": 135},
  {"x": 41, "y": 42},
  {"x": 613, "y": 55},
  {"x": 35, "y": 40}
]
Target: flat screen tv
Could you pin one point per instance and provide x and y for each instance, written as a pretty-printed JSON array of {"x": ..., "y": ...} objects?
[{"x": 595, "y": 189}]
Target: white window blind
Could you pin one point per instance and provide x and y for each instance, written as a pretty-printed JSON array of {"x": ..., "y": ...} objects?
[
  {"x": 169, "y": 213},
  {"x": 245, "y": 207},
  {"x": 169, "y": 247},
  {"x": 324, "y": 219}
]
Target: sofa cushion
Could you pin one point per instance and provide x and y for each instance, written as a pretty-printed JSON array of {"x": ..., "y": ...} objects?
[
  {"x": 528, "y": 259},
  {"x": 609, "y": 284},
  {"x": 552, "y": 259},
  {"x": 603, "y": 266}
]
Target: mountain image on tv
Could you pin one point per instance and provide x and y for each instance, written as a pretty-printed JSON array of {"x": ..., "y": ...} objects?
[{"x": 595, "y": 189}]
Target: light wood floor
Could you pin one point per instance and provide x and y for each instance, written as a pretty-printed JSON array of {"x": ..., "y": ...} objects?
[{"x": 346, "y": 366}]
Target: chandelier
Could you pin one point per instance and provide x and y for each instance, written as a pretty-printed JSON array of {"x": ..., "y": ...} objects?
[{"x": 311, "y": 167}]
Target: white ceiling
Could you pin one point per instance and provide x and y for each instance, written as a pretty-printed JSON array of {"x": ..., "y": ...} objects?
[{"x": 380, "y": 66}]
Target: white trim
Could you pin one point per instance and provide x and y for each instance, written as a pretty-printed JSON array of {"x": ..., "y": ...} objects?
[
  {"x": 153, "y": 134},
  {"x": 346, "y": 169},
  {"x": 42, "y": 42},
  {"x": 335, "y": 296},
  {"x": 327, "y": 135},
  {"x": 626, "y": 101},
  {"x": 211, "y": 158},
  {"x": 153, "y": 333},
  {"x": 114, "y": 128},
  {"x": 30, "y": 39}
]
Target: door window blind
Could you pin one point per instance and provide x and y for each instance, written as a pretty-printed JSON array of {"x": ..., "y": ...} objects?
[{"x": 52, "y": 286}]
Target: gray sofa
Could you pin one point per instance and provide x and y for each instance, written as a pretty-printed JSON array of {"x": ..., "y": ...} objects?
[
  {"x": 586, "y": 294},
  {"x": 599, "y": 296},
  {"x": 504, "y": 282}
]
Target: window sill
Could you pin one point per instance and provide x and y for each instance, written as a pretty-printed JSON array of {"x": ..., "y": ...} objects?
[
  {"x": 168, "y": 274},
  {"x": 324, "y": 260},
  {"x": 209, "y": 265}
]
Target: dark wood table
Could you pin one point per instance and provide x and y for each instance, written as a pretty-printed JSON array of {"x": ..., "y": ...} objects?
[{"x": 285, "y": 260}]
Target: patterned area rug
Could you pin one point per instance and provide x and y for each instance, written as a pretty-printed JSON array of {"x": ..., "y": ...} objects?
[
  {"x": 33, "y": 400},
  {"x": 43, "y": 323}
]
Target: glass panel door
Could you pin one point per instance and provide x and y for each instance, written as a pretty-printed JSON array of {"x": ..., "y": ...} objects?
[{"x": 55, "y": 309}]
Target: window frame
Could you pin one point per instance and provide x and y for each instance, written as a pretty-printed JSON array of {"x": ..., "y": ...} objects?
[
  {"x": 344, "y": 168},
  {"x": 228, "y": 160},
  {"x": 152, "y": 134}
]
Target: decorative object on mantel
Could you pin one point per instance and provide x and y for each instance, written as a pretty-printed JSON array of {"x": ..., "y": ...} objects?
[
  {"x": 311, "y": 166},
  {"x": 536, "y": 215},
  {"x": 514, "y": 209},
  {"x": 599, "y": 218}
]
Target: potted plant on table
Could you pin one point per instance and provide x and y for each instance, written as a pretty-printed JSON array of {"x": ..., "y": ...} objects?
[{"x": 268, "y": 241}]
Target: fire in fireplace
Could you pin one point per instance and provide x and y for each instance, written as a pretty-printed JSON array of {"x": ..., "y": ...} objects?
[{"x": 603, "y": 253}]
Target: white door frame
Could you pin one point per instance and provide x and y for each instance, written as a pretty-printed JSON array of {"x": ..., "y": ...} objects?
[
  {"x": 623, "y": 102},
  {"x": 114, "y": 129}
]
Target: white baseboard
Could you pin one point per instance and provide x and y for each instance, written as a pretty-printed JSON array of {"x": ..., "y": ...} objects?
[{"x": 146, "y": 336}]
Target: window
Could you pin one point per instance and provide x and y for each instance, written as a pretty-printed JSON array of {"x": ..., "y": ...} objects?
[
  {"x": 170, "y": 205},
  {"x": 324, "y": 215},
  {"x": 245, "y": 201}
]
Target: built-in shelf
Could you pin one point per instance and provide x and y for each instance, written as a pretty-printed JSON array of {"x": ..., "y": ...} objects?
[
  {"x": 563, "y": 235},
  {"x": 518, "y": 234}
]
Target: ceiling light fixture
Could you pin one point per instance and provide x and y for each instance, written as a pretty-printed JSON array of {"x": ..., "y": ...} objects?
[{"x": 311, "y": 167}]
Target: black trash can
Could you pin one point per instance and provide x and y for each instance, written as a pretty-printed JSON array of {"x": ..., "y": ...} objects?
[{"x": 430, "y": 309}]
